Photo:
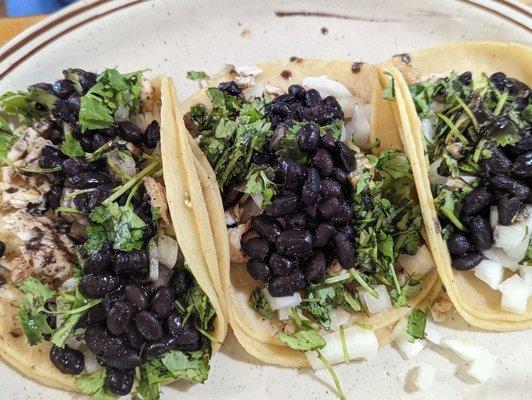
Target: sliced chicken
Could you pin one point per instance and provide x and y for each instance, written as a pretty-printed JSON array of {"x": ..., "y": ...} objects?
[
  {"x": 157, "y": 198},
  {"x": 235, "y": 248}
]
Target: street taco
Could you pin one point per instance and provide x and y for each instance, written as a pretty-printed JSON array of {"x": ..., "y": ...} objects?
[
  {"x": 104, "y": 289},
  {"x": 263, "y": 136},
  {"x": 467, "y": 109}
]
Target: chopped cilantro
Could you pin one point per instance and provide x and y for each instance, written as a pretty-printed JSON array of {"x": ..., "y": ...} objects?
[
  {"x": 415, "y": 327},
  {"x": 304, "y": 340},
  {"x": 24, "y": 105},
  {"x": 197, "y": 75},
  {"x": 71, "y": 146},
  {"x": 94, "y": 385},
  {"x": 257, "y": 182},
  {"x": 258, "y": 303},
  {"x": 7, "y": 138}
]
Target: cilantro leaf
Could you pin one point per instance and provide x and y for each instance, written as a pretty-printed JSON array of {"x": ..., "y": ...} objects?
[
  {"x": 71, "y": 147},
  {"x": 23, "y": 105},
  {"x": 304, "y": 340},
  {"x": 94, "y": 385},
  {"x": 415, "y": 327},
  {"x": 199, "y": 305},
  {"x": 197, "y": 75},
  {"x": 258, "y": 303},
  {"x": 257, "y": 182},
  {"x": 192, "y": 366},
  {"x": 7, "y": 138}
]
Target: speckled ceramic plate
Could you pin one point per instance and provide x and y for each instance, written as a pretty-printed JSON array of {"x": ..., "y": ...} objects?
[{"x": 173, "y": 36}]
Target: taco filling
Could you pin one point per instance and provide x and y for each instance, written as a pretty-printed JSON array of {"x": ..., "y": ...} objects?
[
  {"x": 478, "y": 141},
  {"x": 88, "y": 247},
  {"x": 325, "y": 232}
]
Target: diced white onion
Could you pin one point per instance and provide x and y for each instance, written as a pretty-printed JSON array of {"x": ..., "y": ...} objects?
[
  {"x": 326, "y": 87},
  {"x": 518, "y": 252},
  {"x": 70, "y": 284},
  {"x": 428, "y": 129},
  {"x": 122, "y": 161},
  {"x": 375, "y": 305},
  {"x": 469, "y": 179},
  {"x": 91, "y": 363},
  {"x": 276, "y": 303},
  {"x": 526, "y": 273},
  {"x": 465, "y": 349},
  {"x": 258, "y": 199},
  {"x": 360, "y": 125},
  {"x": 348, "y": 105},
  {"x": 420, "y": 263},
  {"x": 432, "y": 334},
  {"x": 167, "y": 250},
  {"x": 283, "y": 313},
  {"x": 490, "y": 272},
  {"x": 434, "y": 177},
  {"x": 423, "y": 376},
  {"x": 494, "y": 217},
  {"x": 73, "y": 343},
  {"x": 515, "y": 294},
  {"x": 153, "y": 254},
  {"x": 254, "y": 91},
  {"x": 500, "y": 256},
  {"x": 481, "y": 368},
  {"x": 408, "y": 349},
  {"x": 229, "y": 218},
  {"x": 506, "y": 237},
  {"x": 339, "y": 317},
  {"x": 360, "y": 344}
]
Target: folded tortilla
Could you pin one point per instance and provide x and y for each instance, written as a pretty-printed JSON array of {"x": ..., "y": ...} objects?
[{"x": 475, "y": 301}]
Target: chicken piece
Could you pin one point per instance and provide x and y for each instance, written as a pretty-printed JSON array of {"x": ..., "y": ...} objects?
[
  {"x": 362, "y": 165},
  {"x": 157, "y": 196},
  {"x": 441, "y": 308},
  {"x": 48, "y": 254},
  {"x": 235, "y": 248}
]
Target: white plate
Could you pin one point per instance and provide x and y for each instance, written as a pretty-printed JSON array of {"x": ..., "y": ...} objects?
[{"x": 172, "y": 37}]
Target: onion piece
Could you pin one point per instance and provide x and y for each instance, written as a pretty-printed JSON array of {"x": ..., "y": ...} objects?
[
  {"x": 276, "y": 303},
  {"x": 423, "y": 376},
  {"x": 339, "y": 317},
  {"x": 515, "y": 294},
  {"x": 375, "y": 305},
  {"x": 526, "y": 273},
  {"x": 494, "y": 217},
  {"x": 434, "y": 177},
  {"x": 490, "y": 272},
  {"x": 481, "y": 368},
  {"x": 70, "y": 284},
  {"x": 432, "y": 334},
  {"x": 420, "y": 263},
  {"x": 91, "y": 363},
  {"x": 360, "y": 343},
  {"x": 506, "y": 237},
  {"x": 254, "y": 91},
  {"x": 465, "y": 349},
  {"x": 500, "y": 256},
  {"x": 326, "y": 86},
  {"x": 121, "y": 165},
  {"x": 283, "y": 313},
  {"x": 518, "y": 252},
  {"x": 153, "y": 255},
  {"x": 428, "y": 129},
  {"x": 406, "y": 348},
  {"x": 167, "y": 249}
]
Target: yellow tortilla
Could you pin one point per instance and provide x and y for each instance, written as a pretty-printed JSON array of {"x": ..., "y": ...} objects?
[
  {"x": 474, "y": 300},
  {"x": 255, "y": 333},
  {"x": 34, "y": 362}
]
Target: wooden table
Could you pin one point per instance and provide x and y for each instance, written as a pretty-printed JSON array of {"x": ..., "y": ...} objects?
[{"x": 10, "y": 27}]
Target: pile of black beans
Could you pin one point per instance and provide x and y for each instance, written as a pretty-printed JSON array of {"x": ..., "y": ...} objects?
[
  {"x": 308, "y": 223},
  {"x": 505, "y": 182}
]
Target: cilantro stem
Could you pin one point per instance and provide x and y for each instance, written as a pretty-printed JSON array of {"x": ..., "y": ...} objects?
[
  {"x": 467, "y": 111},
  {"x": 451, "y": 217},
  {"x": 500, "y": 104},
  {"x": 76, "y": 192},
  {"x": 454, "y": 130},
  {"x": 77, "y": 310},
  {"x": 395, "y": 280},
  {"x": 478, "y": 150},
  {"x": 363, "y": 283},
  {"x": 32, "y": 170},
  {"x": 344, "y": 344},
  {"x": 132, "y": 193},
  {"x": 329, "y": 368},
  {"x": 128, "y": 185},
  {"x": 96, "y": 154},
  {"x": 68, "y": 210},
  {"x": 208, "y": 335}
]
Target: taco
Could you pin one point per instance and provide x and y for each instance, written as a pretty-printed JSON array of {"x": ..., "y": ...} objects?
[
  {"x": 320, "y": 245},
  {"x": 104, "y": 289},
  {"x": 467, "y": 108}
]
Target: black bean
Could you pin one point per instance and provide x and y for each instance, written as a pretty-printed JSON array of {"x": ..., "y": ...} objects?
[
  {"x": 465, "y": 78},
  {"x": 480, "y": 232},
  {"x": 2, "y": 248},
  {"x": 312, "y": 212},
  {"x": 524, "y": 144},
  {"x": 267, "y": 227},
  {"x": 152, "y": 135},
  {"x": 466, "y": 261},
  {"x": 61, "y": 110},
  {"x": 86, "y": 79},
  {"x": 51, "y": 157},
  {"x": 67, "y": 360},
  {"x": 100, "y": 261},
  {"x": 175, "y": 324},
  {"x": 131, "y": 262},
  {"x": 130, "y": 132},
  {"x": 148, "y": 325},
  {"x": 323, "y": 161},
  {"x": 81, "y": 201},
  {"x": 256, "y": 248},
  {"x": 340, "y": 175},
  {"x": 296, "y": 243},
  {"x": 283, "y": 205},
  {"x": 63, "y": 89},
  {"x": 507, "y": 208},
  {"x": 458, "y": 244},
  {"x": 297, "y": 91},
  {"x": 134, "y": 338},
  {"x": 181, "y": 281},
  {"x": 86, "y": 180},
  {"x": 129, "y": 358},
  {"x": 311, "y": 187},
  {"x": 96, "y": 286},
  {"x": 74, "y": 103},
  {"x": 53, "y": 197},
  {"x": 258, "y": 269},
  {"x": 497, "y": 163},
  {"x": 509, "y": 185},
  {"x": 312, "y": 97},
  {"x": 323, "y": 234},
  {"x": 136, "y": 297},
  {"x": 99, "y": 195},
  {"x": 522, "y": 166},
  {"x": 330, "y": 188},
  {"x": 120, "y": 381},
  {"x": 500, "y": 123},
  {"x": 477, "y": 200},
  {"x": 102, "y": 342},
  {"x": 297, "y": 220},
  {"x": 74, "y": 166},
  {"x": 279, "y": 109},
  {"x": 164, "y": 345},
  {"x": 346, "y": 156},
  {"x": 93, "y": 316},
  {"x": 316, "y": 268},
  {"x": 499, "y": 80},
  {"x": 189, "y": 338},
  {"x": 329, "y": 142},
  {"x": 47, "y": 87},
  {"x": 286, "y": 285},
  {"x": 281, "y": 265},
  {"x": 118, "y": 317},
  {"x": 308, "y": 137},
  {"x": 163, "y": 301},
  {"x": 289, "y": 173},
  {"x": 345, "y": 251},
  {"x": 230, "y": 88}
]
